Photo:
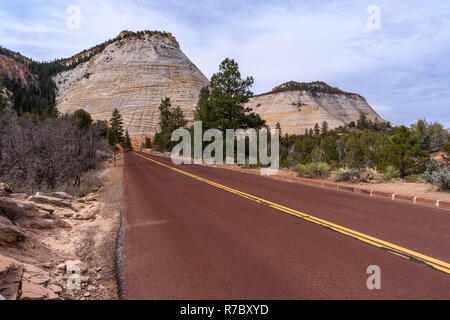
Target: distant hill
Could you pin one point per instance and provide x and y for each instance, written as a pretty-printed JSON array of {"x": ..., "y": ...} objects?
[{"x": 298, "y": 106}]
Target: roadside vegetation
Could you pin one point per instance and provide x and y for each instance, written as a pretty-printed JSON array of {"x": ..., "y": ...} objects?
[
  {"x": 362, "y": 151},
  {"x": 220, "y": 106},
  {"x": 56, "y": 153},
  {"x": 368, "y": 151}
]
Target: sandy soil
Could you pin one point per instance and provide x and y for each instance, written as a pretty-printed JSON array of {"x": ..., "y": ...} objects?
[
  {"x": 98, "y": 244},
  {"x": 411, "y": 189}
]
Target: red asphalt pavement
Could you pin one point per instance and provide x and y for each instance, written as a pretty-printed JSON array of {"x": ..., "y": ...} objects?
[{"x": 185, "y": 239}]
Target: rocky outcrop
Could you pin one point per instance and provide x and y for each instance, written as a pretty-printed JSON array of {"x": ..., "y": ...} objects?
[
  {"x": 14, "y": 67},
  {"x": 133, "y": 74},
  {"x": 10, "y": 278},
  {"x": 299, "y": 107},
  {"x": 10, "y": 234},
  {"x": 60, "y": 199},
  {"x": 19, "y": 219}
]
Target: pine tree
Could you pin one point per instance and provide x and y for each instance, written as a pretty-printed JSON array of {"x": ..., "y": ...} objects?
[
  {"x": 116, "y": 124},
  {"x": 316, "y": 129},
  {"x": 111, "y": 137},
  {"x": 404, "y": 151},
  {"x": 164, "y": 112},
  {"x": 278, "y": 127},
  {"x": 324, "y": 128},
  {"x": 170, "y": 120},
  {"x": 127, "y": 144},
  {"x": 222, "y": 107},
  {"x": 82, "y": 118},
  {"x": 148, "y": 143}
]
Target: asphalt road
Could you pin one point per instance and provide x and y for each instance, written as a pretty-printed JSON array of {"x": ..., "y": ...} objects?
[{"x": 201, "y": 233}]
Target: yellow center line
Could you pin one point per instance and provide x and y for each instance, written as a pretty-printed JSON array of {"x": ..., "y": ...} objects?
[{"x": 395, "y": 249}]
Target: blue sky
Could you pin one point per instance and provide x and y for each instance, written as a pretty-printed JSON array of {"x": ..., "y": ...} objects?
[{"x": 403, "y": 68}]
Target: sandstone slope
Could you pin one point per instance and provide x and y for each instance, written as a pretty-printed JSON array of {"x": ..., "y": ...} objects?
[
  {"x": 299, "y": 106},
  {"x": 133, "y": 74}
]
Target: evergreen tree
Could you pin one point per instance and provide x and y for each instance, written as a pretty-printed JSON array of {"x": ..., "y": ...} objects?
[
  {"x": 222, "y": 106},
  {"x": 164, "y": 112},
  {"x": 316, "y": 129},
  {"x": 324, "y": 128},
  {"x": 148, "y": 143},
  {"x": 404, "y": 151},
  {"x": 278, "y": 127},
  {"x": 127, "y": 143},
  {"x": 170, "y": 120},
  {"x": 116, "y": 124},
  {"x": 82, "y": 118},
  {"x": 329, "y": 148},
  {"x": 111, "y": 137},
  {"x": 362, "y": 123}
]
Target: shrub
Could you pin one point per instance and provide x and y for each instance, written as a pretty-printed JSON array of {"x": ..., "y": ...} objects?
[
  {"x": 355, "y": 175},
  {"x": 431, "y": 167},
  {"x": 414, "y": 178},
  {"x": 391, "y": 172},
  {"x": 313, "y": 169},
  {"x": 440, "y": 178},
  {"x": 89, "y": 182}
]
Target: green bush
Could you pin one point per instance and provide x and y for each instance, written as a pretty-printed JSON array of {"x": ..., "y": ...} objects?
[
  {"x": 355, "y": 175},
  {"x": 440, "y": 178},
  {"x": 313, "y": 169},
  {"x": 390, "y": 173},
  {"x": 431, "y": 167},
  {"x": 414, "y": 178}
]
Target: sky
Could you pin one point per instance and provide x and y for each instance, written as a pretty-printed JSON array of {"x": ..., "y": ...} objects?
[{"x": 395, "y": 53}]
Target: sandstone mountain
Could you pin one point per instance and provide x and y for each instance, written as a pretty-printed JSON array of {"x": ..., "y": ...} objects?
[
  {"x": 136, "y": 70},
  {"x": 299, "y": 106},
  {"x": 133, "y": 74}
]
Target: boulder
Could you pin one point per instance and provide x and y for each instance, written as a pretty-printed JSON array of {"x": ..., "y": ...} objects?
[
  {"x": 45, "y": 207},
  {"x": 17, "y": 210},
  {"x": 10, "y": 277},
  {"x": 10, "y": 234},
  {"x": 90, "y": 212},
  {"x": 21, "y": 196},
  {"x": 64, "y": 213},
  {"x": 32, "y": 291},
  {"x": 51, "y": 199},
  {"x": 27, "y": 214},
  {"x": 35, "y": 275},
  {"x": 55, "y": 288}
]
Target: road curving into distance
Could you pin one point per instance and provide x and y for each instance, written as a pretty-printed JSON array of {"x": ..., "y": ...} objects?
[{"x": 198, "y": 232}]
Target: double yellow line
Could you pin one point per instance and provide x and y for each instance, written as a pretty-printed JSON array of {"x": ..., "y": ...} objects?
[{"x": 395, "y": 249}]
